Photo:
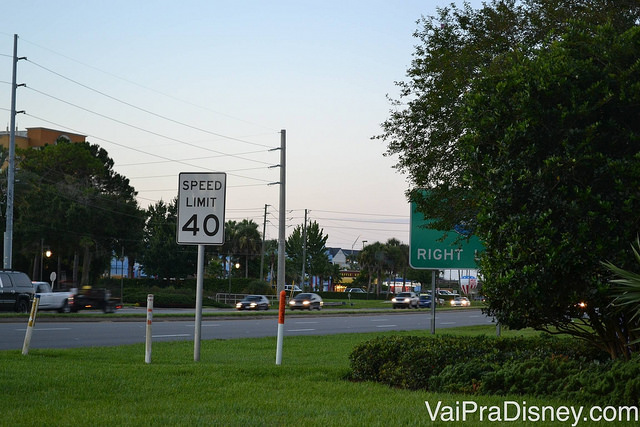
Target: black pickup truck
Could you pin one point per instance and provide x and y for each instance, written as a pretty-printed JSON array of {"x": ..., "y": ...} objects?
[
  {"x": 16, "y": 291},
  {"x": 95, "y": 298}
]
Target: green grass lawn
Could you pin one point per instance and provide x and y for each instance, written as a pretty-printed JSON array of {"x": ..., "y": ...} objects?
[{"x": 236, "y": 382}]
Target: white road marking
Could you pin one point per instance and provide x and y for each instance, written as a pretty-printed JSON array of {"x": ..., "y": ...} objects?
[
  {"x": 299, "y": 330},
  {"x": 172, "y": 335},
  {"x": 386, "y": 326}
]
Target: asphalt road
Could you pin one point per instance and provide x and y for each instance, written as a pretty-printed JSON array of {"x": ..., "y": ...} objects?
[{"x": 50, "y": 333}]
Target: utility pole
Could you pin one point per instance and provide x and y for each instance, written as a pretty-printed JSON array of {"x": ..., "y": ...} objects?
[
  {"x": 304, "y": 249},
  {"x": 264, "y": 234},
  {"x": 8, "y": 234},
  {"x": 282, "y": 226}
]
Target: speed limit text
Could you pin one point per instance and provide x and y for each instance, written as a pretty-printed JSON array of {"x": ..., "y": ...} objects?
[{"x": 201, "y": 185}]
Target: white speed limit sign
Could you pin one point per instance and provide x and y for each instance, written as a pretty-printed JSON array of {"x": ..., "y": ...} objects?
[{"x": 201, "y": 199}]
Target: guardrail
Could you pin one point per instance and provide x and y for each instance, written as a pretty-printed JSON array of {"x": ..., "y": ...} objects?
[{"x": 232, "y": 299}]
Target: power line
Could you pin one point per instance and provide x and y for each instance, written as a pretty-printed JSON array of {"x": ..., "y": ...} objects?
[
  {"x": 145, "y": 130},
  {"x": 140, "y": 151},
  {"x": 128, "y": 104},
  {"x": 360, "y": 213},
  {"x": 193, "y": 158},
  {"x": 362, "y": 220},
  {"x": 143, "y": 86}
]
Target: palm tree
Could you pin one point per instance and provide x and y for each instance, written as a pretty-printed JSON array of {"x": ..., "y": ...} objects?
[
  {"x": 626, "y": 292},
  {"x": 249, "y": 242},
  {"x": 374, "y": 258},
  {"x": 398, "y": 258},
  {"x": 231, "y": 242}
]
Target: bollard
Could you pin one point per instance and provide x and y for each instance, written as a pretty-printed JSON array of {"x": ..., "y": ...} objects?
[
  {"x": 147, "y": 356},
  {"x": 281, "y": 306},
  {"x": 32, "y": 321}
]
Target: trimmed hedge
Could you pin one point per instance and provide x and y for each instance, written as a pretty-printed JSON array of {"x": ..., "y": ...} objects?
[
  {"x": 238, "y": 285},
  {"x": 544, "y": 367},
  {"x": 180, "y": 293}
]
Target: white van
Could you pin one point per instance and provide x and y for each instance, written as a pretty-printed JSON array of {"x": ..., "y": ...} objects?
[{"x": 290, "y": 288}]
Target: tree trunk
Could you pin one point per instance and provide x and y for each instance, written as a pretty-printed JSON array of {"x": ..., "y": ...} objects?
[
  {"x": 86, "y": 264},
  {"x": 76, "y": 262}
]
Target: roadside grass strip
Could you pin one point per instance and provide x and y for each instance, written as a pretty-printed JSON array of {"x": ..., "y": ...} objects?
[{"x": 235, "y": 383}]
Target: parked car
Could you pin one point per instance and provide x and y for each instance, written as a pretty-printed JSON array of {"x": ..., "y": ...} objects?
[
  {"x": 306, "y": 301},
  {"x": 439, "y": 301},
  {"x": 355, "y": 291},
  {"x": 405, "y": 300},
  {"x": 16, "y": 291},
  {"x": 253, "y": 302},
  {"x": 424, "y": 301},
  {"x": 460, "y": 302},
  {"x": 292, "y": 288}
]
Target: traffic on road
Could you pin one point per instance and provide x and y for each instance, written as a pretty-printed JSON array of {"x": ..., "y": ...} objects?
[{"x": 111, "y": 331}]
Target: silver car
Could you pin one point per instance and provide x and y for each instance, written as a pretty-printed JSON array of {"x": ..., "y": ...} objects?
[
  {"x": 405, "y": 300},
  {"x": 253, "y": 302},
  {"x": 306, "y": 300}
]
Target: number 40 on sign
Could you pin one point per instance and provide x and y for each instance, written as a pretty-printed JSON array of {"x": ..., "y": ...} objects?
[{"x": 201, "y": 200}]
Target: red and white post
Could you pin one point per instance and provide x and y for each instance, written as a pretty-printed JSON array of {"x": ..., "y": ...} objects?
[
  {"x": 281, "y": 306},
  {"x": 147, "y": 355}
]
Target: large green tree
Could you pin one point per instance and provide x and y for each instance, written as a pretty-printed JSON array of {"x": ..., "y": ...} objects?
[
  {"x": 558, "y": 161},
  {"x": 315, "y": 256},
  {"x": 162, "y": 256},
  {"x": 69, "y": 198},
  {"x": 521, "y": 120}
]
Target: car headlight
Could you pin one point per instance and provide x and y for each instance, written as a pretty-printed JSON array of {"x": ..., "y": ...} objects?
[
  {"x": 393, "y": 300},
  {"x": 452, "y": 302},
  {"x": 292, "y": 302},
  {"x": 306, "y": 302},
  {"x": 407, "y": 300},
  {"x": 238, "y": 305},
  {"x": 253, "y": 304}
]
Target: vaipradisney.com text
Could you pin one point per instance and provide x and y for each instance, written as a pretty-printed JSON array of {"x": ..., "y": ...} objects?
[{"x": 511, "y": 410}]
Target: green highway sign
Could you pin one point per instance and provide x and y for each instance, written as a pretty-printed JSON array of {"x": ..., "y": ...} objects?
[{"x": 429, "y": 251}]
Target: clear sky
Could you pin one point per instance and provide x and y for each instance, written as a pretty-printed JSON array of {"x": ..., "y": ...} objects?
[{"x": 194, "y": 86}]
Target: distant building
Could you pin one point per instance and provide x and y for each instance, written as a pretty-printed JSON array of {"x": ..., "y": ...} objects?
[
  {"x": 341, "y": 256},
  {"x": 38, "y": 137},
  {"x": 120, "y": 268}
]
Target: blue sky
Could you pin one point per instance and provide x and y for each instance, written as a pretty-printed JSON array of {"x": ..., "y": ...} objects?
[{"x": 192, "y": 86}]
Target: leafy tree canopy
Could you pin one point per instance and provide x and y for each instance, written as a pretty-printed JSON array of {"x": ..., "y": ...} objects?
[
  {"x": 521, "y": 120},
  {"x": 162, "y": 256},
  {"x": 316, "y": 259},
  {"x": 69, "y": 196}
]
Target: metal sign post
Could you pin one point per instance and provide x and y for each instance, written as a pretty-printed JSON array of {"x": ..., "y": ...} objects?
[{"x": 201, "y": 200}]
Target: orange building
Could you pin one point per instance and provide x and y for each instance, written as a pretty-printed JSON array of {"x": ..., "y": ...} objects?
[{"x": 38, "y": 137}]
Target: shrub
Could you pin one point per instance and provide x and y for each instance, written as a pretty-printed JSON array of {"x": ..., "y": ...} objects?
[{"x": 545, "y": 367}]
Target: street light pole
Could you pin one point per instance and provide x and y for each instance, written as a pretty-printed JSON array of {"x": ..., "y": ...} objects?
[{"x": 229, "y": 274}]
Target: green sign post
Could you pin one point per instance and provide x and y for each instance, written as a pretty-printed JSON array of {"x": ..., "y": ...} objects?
[{"x": 429, "y": 251}]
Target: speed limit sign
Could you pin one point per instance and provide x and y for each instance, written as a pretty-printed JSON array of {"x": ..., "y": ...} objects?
[{"x": 201, "y": 199}]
